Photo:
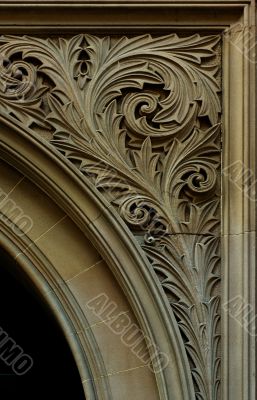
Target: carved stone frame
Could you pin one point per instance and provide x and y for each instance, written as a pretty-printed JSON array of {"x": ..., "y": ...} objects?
[{"x": 236, "y": 20}]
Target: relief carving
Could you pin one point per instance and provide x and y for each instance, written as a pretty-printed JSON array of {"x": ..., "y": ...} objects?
[{"x": 139, "y": 117}]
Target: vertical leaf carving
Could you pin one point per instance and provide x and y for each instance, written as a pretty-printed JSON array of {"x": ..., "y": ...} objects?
[{"x": 139, "y": 117}]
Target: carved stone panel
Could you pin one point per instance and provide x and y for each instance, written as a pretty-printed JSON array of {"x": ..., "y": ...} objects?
[{"x": 139, "y": 116}]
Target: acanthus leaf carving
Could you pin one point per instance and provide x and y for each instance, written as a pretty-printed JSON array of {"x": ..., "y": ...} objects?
[
  {"x": 140, "y": 117},
  {"x": 188, "y": 268}
]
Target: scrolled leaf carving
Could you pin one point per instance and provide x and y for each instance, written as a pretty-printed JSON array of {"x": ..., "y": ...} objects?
[{"x": 140, "y": 117}]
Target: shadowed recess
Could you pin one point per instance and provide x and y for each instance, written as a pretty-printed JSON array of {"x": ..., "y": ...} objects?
[{"x": 31, "y": 325}]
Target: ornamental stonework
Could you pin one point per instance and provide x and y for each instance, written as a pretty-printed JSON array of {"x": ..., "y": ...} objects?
[{"x": 140, "y": 118}]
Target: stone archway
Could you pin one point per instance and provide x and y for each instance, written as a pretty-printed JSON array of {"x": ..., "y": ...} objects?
[
  {"x": 69, "y": 271},
  {"x": 152, "y": 108}
]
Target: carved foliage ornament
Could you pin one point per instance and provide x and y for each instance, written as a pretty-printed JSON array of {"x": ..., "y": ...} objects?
[{"x": 139, "y": 117}]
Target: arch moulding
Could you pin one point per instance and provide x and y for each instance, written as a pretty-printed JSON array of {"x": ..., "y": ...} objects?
[{"x": 126, "y": 134}]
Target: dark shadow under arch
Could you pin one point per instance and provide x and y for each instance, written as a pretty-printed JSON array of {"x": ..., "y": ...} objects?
[{"x": 30, "y": 323}]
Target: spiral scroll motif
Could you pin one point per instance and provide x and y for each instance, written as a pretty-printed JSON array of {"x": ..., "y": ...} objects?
[
  {"x": 197, "y": 180},
  {"x": 17, "y": 79}
]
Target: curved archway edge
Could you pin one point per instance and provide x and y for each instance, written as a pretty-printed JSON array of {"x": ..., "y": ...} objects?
[{"x": 49, "y": 170}]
